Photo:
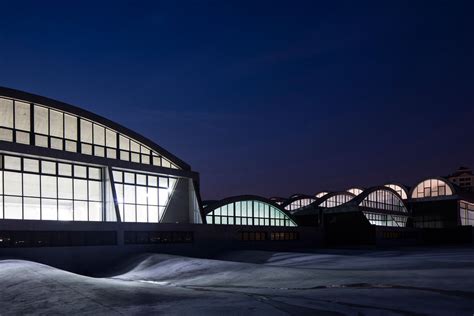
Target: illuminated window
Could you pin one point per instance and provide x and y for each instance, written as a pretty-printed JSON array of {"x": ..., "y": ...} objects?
[
  {"x": 336, "y": 200},
  {"x": 355, "y": 191},
  {"x": 466, "y": 213},
  {"x": 321, "y": 194},
  {"x": 249, "y": 212},
  {"x": 37, "y": 189},
  {"x": 401, "y": 191},
  {"x": 299, "y": 203},
  {"x": 431, "y": 188},
  {"x": 64, "y": 131},
  {"x": 142, "y": 197},
  {"x": 386, "y": 201}
]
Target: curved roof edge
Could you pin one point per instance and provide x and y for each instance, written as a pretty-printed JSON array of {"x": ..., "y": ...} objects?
[
  {"x": 454, "y": 188},
  {"x": 40, "y": 100}
]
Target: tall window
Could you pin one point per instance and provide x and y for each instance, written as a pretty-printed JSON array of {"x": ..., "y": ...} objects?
[
  {"x": 37, "y": 189},
  {"x": 15, "y": 121},
  {"x": 466, "y": 213},
  {"x": 142, "y": 197}
]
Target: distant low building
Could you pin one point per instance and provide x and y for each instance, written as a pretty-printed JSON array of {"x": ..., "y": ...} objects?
[{"x": 463, "y": 178}]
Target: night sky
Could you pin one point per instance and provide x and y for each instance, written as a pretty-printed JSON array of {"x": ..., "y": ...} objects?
[{"x": 263, "y": 97}]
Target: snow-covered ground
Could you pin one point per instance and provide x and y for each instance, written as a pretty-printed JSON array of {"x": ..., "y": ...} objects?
[{"x": 408, "y": 282}]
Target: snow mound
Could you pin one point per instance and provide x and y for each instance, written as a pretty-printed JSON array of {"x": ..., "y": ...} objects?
[
  {"x": 176, "y": 270},
  {"x": 416, "y": 259}
]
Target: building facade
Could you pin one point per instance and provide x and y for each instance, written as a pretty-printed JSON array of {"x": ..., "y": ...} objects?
[
  {"x": 463, "y": 177},
  {"x": 62, "y": 163}
]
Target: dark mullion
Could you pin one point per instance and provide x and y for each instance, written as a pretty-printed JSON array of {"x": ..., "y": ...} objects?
[
  {"x": 14, "y": 121},
  {"x": 32, "y": 124},
  {"x": 79, "y": 142},
  {"x": 49, "y": 130},
  {"x": 136, "y": 200},
  {"x": 57, "y": 184},
  {"x": 3, "y": 186}
]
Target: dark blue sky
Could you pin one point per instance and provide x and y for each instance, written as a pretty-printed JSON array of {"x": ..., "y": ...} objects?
[{"x": 263, "y": 97}]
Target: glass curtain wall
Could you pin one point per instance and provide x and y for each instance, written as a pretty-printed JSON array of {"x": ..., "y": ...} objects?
[
  {"x": 387, "y": 201},
  {"x": 252, "y": 213},
  {"x": 39, "y": 189},
  {"x": 386, "y": 219},
  {"x": 400, "y": 191},
  {"x": 142, "y": 197},
  {"x": 37, "y": 125},
  {"x": 336, "y": 200},
  {"x": 299, "y": 204}
]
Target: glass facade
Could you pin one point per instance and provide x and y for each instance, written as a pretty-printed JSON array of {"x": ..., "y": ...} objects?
[
  {"x": 466, "y": 215},
  {"x": 336, "y": 200},
  {"x": 431, "y": 188},
  {"x": 355, "y": 191},
  {"x": 386, "y": 219},
  {"x": 386, "y": 201},
  {"x": 43, "y": 189},
  {"x": 297, "y": 204},
  {"x": 142, "y": 197},
  {"x": 249, "y": 212},
  {"x": 400, "y": 191},
  {"x": 40, "y": 189},
  {"x": 37, "y": 125}
]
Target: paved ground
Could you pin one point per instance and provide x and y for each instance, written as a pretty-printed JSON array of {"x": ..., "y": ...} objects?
[{"x": 409, "y": 282}]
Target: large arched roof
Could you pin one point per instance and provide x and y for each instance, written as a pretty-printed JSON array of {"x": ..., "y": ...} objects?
[{"x": 61, "y": 106}]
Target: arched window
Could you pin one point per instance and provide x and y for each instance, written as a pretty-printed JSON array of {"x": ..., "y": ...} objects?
[
  {"x": 299, "y": 203},
  {"x": 249, "y": 212},
  {"x": 401, "y": 191},
  {"x": 321, "y": 194},
  {"x": 43, "y": 126},
  {"x": 431, "y": 188},
  {"x": 387, "y": 201},
  {"x": 355, "y": 191}
]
